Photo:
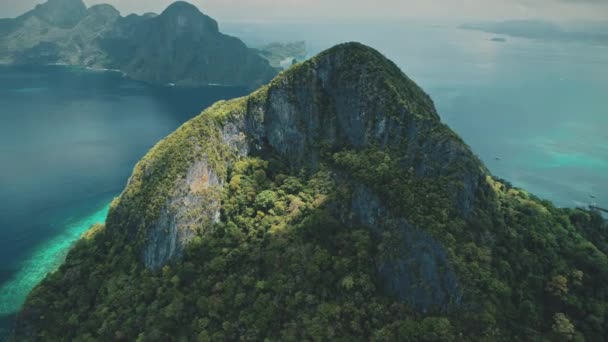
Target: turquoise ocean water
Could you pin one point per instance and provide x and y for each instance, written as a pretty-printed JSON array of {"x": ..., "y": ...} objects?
[
  {"x": 69, "y": 138},
  {"x": 536, "y": 112}
]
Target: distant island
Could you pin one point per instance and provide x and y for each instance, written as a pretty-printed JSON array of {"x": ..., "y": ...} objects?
[
  {"x": 180, "y": 46},
  {"x": 596, "y": 33},
  {"x": 283, "y": 55}
]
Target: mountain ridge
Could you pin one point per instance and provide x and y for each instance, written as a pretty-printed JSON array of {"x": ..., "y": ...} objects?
[
  {"x": 194, "y": 52},
  {"x": 331, "y": 203}
]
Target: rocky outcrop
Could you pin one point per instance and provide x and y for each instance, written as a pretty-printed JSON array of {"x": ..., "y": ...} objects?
[
  {"x": 330, "y": 204},
  {"x": 334, "y": 102},
  {"x": 195, "y": 206},
  {"x": 416, "y": 268},
  {"x": 338, "y": 101},
  {"x": 180, "y": 46}
]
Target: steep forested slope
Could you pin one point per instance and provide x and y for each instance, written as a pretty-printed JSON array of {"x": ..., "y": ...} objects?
[{"x": 331, "y": 204}]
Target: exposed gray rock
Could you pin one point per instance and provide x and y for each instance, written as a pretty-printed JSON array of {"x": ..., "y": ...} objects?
[
  {"x": 340, "y": 105},
  {"x": 195, "y": 204},
  {"x": 333, "y": 104},
  {"x": 233, "y": 135},
  {"x": 415, "y": 267}
]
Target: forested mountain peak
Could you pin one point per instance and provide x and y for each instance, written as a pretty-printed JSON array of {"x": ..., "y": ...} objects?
[{"x": 331, "y": 203}]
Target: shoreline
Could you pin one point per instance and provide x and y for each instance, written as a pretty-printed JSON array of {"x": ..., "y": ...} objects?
[
  {"x": 123, "y": 74},
  {"x": 45, "y": 258}
]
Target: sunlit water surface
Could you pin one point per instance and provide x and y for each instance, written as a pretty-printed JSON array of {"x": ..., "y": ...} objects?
[
  {"x": 69, "y": 138},
  {"x": 536, "y": 113}
]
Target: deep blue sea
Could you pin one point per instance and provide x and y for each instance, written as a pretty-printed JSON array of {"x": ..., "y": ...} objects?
[
  {"x": 535, "y": 111},
  {"x": 69, "y": 138}
]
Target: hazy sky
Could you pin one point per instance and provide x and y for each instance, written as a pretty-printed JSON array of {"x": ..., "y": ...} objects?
[{"x": 286, "y": 9}]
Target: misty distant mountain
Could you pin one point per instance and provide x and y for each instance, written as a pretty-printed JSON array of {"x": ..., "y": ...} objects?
[
  {"x": 596, "y": 33},
  {"x": 283, "y": 55},
  {"x": 180, "y": 46}
]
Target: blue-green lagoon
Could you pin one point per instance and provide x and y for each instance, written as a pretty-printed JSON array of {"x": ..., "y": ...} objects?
[
  {"x": 69, "y": 138},
  {"x": 536, "y": 112}
]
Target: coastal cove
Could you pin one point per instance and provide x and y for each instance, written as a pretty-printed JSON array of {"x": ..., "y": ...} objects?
[
  {"x": 69, "y": 138},
  {"x": 189, "y": 170}
]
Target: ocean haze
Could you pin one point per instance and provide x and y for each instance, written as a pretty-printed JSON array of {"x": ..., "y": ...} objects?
[
  {"x": 407, "y": 9},
  {"x": 534, "y": 110}
]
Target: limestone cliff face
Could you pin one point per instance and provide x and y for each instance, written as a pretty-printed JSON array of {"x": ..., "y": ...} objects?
[
  {"x": 349, "y": 97},
  {"x": 353, "y": 97},
  {"x": 420, "y": 272},
  {"x": 344, "y": 99},
  {"x": 180, "y": 46},
  {"x": 195, "y": 203},
  {"x": 330, "y": 204}
]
